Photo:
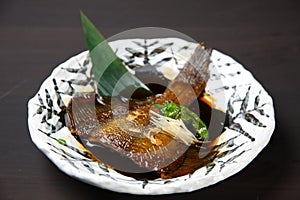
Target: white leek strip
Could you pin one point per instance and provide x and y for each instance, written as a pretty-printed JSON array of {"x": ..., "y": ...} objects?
[{"x": 174, "y": 127}]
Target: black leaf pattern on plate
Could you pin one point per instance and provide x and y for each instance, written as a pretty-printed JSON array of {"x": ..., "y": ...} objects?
[
  {"x": 245, "y": 112},
  {"x": 54, "y": 107},
  {"x": 144, "y": 53},
  {"x": 230, "y": 160}
]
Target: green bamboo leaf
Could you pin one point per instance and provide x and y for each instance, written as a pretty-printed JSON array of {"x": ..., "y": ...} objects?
[{"x": 110, "y": 73}]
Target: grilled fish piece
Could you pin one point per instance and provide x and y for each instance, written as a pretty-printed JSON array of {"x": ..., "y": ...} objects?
[{"x": 125, "y": 128}]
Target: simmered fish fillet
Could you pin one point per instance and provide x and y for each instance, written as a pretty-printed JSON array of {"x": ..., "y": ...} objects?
[{"x": 126, "y": 129}]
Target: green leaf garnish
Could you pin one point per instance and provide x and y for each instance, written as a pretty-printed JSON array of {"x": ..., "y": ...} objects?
[
  {"x": 110, "y": 73},
  {"x": 188, "y": 117}
]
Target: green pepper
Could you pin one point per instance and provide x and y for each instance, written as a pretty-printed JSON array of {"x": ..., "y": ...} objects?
[{"x": 189, "y": 118}]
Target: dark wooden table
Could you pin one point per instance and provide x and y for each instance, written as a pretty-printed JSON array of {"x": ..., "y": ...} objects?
[{"x": 35, "y": 36}]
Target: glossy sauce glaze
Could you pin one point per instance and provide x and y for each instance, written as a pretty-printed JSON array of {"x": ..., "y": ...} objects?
[
  {"x": 122, "y": 136},
  {"x": 192, "y": 158}
]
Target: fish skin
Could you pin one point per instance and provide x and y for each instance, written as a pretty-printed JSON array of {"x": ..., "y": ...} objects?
[
  {"x": 191, "y": 81},
  {"x": 157, "y": 151}
]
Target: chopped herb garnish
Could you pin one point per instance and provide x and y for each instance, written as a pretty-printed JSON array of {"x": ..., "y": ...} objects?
[{"x": 188, "y": 117}]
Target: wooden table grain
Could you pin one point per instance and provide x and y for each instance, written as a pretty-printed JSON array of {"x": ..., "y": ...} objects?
[{"x": 35, "y": 36}]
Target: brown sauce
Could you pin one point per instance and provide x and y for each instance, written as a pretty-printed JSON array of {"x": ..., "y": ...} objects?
[
  {"x": 193, "y": 158},
  {"x": 116, "y": 140}
]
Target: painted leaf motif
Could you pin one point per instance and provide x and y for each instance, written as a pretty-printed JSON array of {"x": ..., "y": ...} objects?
[{"x": 245, "y": 101}]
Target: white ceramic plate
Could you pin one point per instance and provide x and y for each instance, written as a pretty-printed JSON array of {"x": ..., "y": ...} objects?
[{"x": 248, "y": 105}]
